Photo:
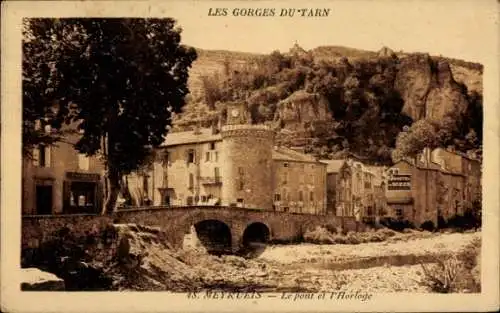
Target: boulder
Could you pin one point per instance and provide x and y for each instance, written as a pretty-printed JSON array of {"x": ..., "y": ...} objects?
[{"x": 38, "y": 280}]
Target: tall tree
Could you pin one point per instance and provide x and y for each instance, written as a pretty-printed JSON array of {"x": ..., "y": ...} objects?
[{"x": 120, "y": 79}]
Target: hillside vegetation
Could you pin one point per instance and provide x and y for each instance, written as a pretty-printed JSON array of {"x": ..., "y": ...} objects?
[{"x": 337, "y": 101}]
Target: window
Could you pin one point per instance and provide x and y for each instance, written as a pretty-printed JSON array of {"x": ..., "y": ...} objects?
[
  {"x": 241, "y": 183},
  {"x": 399, "y": 212},
  {"x": 286, "y": 209},
  {"x": 41, "y": 156},
  {"x": 167, "y": 157},
  {"x": 203, "y": 199},
  {"x": 369, "y": 211},
  {"x": 191, "y": 181},
  {"x": 216, "y": 156},
  {"x": 311, "y": 196},
  {"x": 190, "y": 156},
  {"x": 83, "y": 162},
  {"x": 189, "y": 200},
  {"x": 212, "y": 146},
  {"x": 145, "y": 185},
  {"x": 216, "y": 173},
  {"x": 277, "y": 197},
  {"x": 285, "y": 164},
  {"x": 207, "y": 156},
  {"x": 285, "y": 178},
  {"x": 301, "y": 196}
]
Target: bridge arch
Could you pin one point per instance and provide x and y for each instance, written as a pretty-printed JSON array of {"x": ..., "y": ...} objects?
[
  {"x": 214, "y": 235},
  {"x": 256, "y": 232}
]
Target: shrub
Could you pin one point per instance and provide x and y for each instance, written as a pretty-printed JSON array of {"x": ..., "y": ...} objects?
[
  {"x": 443, "y": 275},
  {"x": 456, "y": 273},
  {"x": 396, "y": 224},
  {"x": 352, "y": 238},
  {"x": 386, "y": 232},
  {"x": 428, "y": 225},
  {"x": 333, "y": 228},
  {"x": 319, "y": 235}
]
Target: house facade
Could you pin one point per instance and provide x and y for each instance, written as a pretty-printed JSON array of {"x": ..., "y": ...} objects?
[
  {"x": 57, "y": 179},
  {"x": 433, "y": 186},
  {"x": 354, "y": 189}
]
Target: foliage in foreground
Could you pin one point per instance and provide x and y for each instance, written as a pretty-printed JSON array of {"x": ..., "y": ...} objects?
[
  {"x": 118, "y": 80},
  {"x": 455, "y": 273}
]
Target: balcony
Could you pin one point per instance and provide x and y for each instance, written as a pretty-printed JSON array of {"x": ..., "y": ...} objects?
[{"x": 216, "y": 180}]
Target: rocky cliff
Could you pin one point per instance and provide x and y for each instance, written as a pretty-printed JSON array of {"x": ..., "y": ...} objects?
[
  {"x": 362, "y": 99},
  {"x": 429, "y": 85},
  {"x": 429, "y": 89}
]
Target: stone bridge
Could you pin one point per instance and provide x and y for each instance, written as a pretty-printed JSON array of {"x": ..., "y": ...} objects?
[{"x": 218, "y": 228}]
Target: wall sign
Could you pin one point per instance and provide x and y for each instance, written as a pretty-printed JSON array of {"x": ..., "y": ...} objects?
[
  {"x": 399, "y": 182},
  {"x": 83, "y": 176}
]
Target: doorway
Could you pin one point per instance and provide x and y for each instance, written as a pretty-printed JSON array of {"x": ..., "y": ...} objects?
[{"x": 43, "y": 199}]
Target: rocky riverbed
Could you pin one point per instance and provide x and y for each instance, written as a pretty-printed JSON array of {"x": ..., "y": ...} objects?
[
  {"x": 132, "y": 257},
  {"x": 372, "y": 267}
]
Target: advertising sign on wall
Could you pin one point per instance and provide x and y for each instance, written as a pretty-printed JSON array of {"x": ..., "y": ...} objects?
[{"x": 399, "y": 182}]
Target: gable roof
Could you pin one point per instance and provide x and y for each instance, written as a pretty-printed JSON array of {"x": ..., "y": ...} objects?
[
  {"x": 190, "y": 137},
  {"x": 429, "y": 167},
  {"x": 333, "y": 166},
  {"x": 287, "y": 154}
]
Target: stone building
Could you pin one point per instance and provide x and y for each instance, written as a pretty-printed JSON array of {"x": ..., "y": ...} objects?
[
  {"x": 432, "y": 186},
  {"x": 354, "y": 189},
  {"x": 57, "y": 179},
  {"x": 237, "y": 164}
]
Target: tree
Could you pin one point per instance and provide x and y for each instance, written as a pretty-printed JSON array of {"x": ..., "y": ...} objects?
[
  {"x": 119, "y": 79},
  {"x": 409, "y": 143}
]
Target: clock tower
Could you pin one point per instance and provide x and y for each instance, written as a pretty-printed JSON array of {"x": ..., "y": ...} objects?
[{"x": 237, "y": 113}]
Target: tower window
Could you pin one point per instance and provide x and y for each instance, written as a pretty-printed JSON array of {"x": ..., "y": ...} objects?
[
  {"x": 190, "y": 156},
  {"x": 216, "y": 174},
  {"x": 191, "y": 181}
]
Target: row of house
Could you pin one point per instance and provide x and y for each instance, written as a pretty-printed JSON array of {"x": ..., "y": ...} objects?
[
  {"x": 239, "y": 165},
  {"x": 355, "y": 189}
]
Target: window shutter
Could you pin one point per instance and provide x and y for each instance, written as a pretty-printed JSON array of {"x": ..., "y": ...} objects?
[
  {"x": 36, "y": 157},
  {"x": 99, "y": 197},
  {"x": 66, "y": 196},
  {"x": 47, "y": 156}
]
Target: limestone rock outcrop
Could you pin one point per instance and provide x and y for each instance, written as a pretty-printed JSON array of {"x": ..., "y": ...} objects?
[
  {"x": 300, "y": 109},
  {"x": 35, "y": 279},
  {"x": 413, "y": 81},
  {"x": 428, "y": 88}
]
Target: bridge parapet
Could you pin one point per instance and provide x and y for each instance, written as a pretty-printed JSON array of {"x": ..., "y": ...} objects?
[{"x": 176, "y": 222}]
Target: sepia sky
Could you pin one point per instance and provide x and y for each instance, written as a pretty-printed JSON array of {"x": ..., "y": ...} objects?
[{"x": 451, "y": 28}]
